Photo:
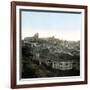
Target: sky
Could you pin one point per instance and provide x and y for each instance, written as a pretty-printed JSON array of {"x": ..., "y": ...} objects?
[{"x": 64, "y": 26}]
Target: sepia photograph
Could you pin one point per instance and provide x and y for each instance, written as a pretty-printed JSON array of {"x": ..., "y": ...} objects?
[{"x": 48, "y": 44}]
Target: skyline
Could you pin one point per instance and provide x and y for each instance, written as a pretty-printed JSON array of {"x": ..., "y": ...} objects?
[{"x": 64, "y": 26}]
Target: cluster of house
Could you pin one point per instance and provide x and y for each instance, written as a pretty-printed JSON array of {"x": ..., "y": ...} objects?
[
  {"x": 64, "y": 64},
  {"x": 59, "y": 64},
  {"x": 55, "y": 64}
]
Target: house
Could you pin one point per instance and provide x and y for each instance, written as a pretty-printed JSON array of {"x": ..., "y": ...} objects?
[{"x": 62, "y": 65}]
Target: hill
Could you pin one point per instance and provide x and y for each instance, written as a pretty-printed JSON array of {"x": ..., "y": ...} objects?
[{"x": 43, "y": 52}]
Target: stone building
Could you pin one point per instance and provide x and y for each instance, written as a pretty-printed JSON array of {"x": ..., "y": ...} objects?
[{"x": 63, "y": 65}]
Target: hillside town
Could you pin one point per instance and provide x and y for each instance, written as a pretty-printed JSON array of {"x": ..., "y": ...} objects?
[{"x": 50, "y": 57}]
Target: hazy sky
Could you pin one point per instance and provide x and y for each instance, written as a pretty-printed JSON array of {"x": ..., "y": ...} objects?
[{"x": 64, "y": 26}]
